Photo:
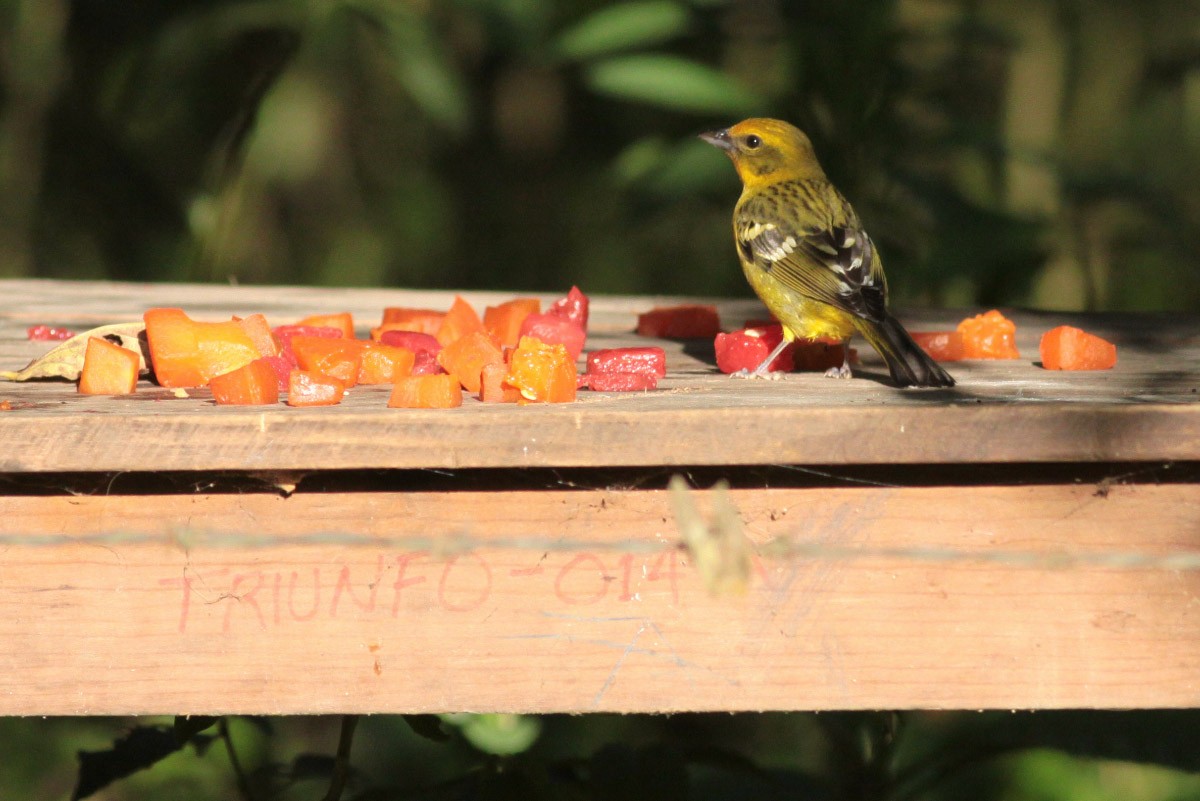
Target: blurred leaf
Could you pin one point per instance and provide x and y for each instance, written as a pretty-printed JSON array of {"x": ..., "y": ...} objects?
[
  {"x": 1169, "y": 738},
  {"x": 502, "y": 735},
  {"x": 621, "y": 27},
  {"x": 689, "y": 167},
  {"x": 640, "y": 159},
  {"x": 138, "y": 750},
  {"x": 420, "y": 62},
  {"x": 671, "y": 82}
]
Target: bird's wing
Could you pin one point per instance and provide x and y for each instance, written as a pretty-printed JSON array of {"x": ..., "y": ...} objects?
[{"x": 832, "y": 263}]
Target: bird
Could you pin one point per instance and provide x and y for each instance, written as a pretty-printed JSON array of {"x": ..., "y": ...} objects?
[{"x": 805, "y": 253}]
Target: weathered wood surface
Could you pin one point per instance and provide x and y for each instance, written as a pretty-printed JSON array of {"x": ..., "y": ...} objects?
[
  {"x": 562, "y": 600},
  {"x": 1145, "y": 409}
]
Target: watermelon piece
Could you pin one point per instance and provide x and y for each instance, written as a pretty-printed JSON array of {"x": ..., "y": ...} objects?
[
  {"x": 553, "y": 329},
  {"x": 619, "y": 382},
  {"x": 426, "y": 363},
  {"x": 687, "y": 321},
  {"x": 573, "y": 308},
  {"x": 411, "y": 340},
  {"x": 820, "y": 355},
  {"x": 647, "y": 361},
  {"x": 746, "y": 349}
]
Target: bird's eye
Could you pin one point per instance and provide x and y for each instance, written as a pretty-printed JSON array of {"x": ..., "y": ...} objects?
[{"x": 753, "y": 142}]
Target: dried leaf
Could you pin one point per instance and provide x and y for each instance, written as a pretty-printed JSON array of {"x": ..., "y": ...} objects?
[{"x": 66, "y": 360}]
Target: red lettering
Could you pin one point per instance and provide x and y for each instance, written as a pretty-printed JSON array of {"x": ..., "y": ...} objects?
[
  {"x": 626, "y": 563},
  {"x": 668, "y": 563},
  {"x": 343, "y": 583},
  {"x": 185, "y": 606},
  {"x": 245, "y": 598},
  {"x": 316, "y": 602},
  {"x": 471, "y": 603},
  {"x": 770, "y": 577},
  {"x": 573, "y": 597},
  {"x": 401, "y": 580}
]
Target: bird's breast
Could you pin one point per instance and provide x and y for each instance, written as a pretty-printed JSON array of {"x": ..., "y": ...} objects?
[{"x": 804, "y": 318}]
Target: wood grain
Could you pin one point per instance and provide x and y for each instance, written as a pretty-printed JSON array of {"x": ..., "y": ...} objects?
[
  {"x": 561, "y": 600},
  {"x": 1145, "y": 409}
]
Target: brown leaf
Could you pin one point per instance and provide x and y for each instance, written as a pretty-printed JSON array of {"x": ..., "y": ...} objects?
[{"x": 66, "y": 360}]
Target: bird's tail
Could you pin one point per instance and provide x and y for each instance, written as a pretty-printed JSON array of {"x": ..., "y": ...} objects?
[{"x": 909, "y": 365}]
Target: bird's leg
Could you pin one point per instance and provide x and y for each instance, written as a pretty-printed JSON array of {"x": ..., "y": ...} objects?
[
  {"x": 844, "y": 370},
  {"x": 764, "y": 369}
]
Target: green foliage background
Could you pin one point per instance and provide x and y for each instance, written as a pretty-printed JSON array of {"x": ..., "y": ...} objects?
[{"x": 1032, "y": 152}]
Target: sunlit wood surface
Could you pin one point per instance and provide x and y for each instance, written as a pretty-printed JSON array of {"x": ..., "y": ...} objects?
[{"x": 1026, "y": 540}]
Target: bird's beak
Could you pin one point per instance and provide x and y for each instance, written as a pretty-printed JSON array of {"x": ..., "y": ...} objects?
[{"x": 719, "y": 139}]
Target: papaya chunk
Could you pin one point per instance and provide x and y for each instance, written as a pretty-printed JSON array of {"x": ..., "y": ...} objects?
[
  {"x": 1070, "y": 348},
  {"x": 990, "y": 335},
  {"x": 108, "y": 369}
]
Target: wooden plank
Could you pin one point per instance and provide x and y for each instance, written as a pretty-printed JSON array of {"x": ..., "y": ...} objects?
[
  {"x": 561, "y": 600},
  {"x": 1146, "y": 409}
]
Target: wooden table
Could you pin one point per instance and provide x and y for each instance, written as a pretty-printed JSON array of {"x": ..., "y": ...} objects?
[{"x": 1028, "y": 539}]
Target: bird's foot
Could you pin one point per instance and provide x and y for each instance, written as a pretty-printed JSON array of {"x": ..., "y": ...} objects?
[{"x": 839, "y": 372}]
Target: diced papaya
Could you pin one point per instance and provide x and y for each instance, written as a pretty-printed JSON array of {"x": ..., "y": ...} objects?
[
  {"x": 383, "y": 364},
  {"x": 259, "y": 331},
  {"x": 338, "y": 358},
  {"x": 554, "y": 329},
  {"x": 254, "y": 384},
  {"x": 188, "y": 353},
  {"x": 573, "y": 308},
  {"x": 942, "y": 346},
  {"x": 465, "y": 357},
  {"x": 687, "y": 321},
  {"x": 426, "y": 392},
  {"x": 342, "y": 321},
  {"x": 492, "y": 386},
  {"x": 543, "y": 373},
  {"x": 462, "y": 319},
  {"x": 989, "y": 336},
  {"x": 308, "y": 388},
  {"x": 285, "y": 333},
  {"x": 425, "y": 321},
  {"x": 1070, "y": 348},
  {"x": 647, "y": 361},
  {"x": 504, "y": 321},
  {"x": 108, "y": 369}
]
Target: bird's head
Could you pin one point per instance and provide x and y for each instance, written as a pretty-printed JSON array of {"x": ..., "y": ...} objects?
[{"x": 765, "y": 151}]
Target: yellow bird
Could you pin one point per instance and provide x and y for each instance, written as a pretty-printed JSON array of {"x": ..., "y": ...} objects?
[{"x": 805, "y": 253}]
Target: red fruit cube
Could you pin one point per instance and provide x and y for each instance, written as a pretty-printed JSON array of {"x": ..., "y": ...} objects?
[
  {"x": 573, "y": 308},
  {"x": 552, "y": 329},
  {"x": 648, "y": 361},
  {"x": 746, "y": 349}
]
